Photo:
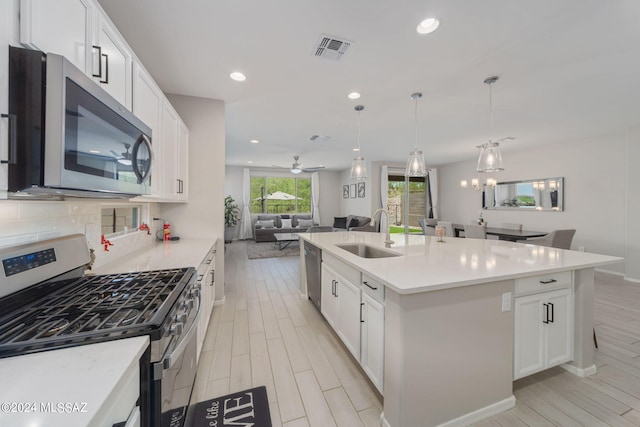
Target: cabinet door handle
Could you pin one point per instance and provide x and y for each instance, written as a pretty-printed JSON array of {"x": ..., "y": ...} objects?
[
  {"x": 13, "y": 140},
  {"x": 213, "y": 278},
  {"x": 336, "y": 294},
  {"x": 106, "y": 69},
  {"x": 99, "y": 62},
  {"x": 546, "y": 282},
  {"x": 367, "y": 283},
  {"x": 551, "y": 320},
  {"x": 333, "y": 287},
  {"x": 546, "y": 309},
  {"x": 361, "y": 305}
]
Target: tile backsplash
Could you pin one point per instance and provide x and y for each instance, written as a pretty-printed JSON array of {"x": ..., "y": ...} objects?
[{"x": 28, "y": 221}]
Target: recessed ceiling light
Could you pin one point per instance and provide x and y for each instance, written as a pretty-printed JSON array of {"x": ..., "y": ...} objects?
[
  {"x": 428, "y": 26},
  {"x": 250, "y": 161},
  {"x": 238, "y": 76},
  {"x": 94, "y": 151},
  {"x": 353, "y": 95},
  {"x": 254, "y": 141},
  {"x": 356, "y": 149}
]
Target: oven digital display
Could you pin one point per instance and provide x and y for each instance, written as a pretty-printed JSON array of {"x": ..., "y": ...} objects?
[{"x": 26, "y": 262}]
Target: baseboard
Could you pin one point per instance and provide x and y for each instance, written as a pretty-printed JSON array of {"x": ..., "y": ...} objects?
[
  {"x": 580, "y": 372},
  {"x": 613, "y": 273},
  {"x": 471, "y": 417},
  {"x": 629, "y": 279},
  {"x": 220, "y": 301}
]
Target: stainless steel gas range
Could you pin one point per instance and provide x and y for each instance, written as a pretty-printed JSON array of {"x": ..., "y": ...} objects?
[{"x": 47, "y": 303}]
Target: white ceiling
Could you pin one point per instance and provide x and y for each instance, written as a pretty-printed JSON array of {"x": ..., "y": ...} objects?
[{"x": 568, "y": 69}]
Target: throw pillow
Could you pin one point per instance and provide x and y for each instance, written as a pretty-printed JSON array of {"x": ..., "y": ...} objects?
[
  {"x": 265, "y": 223},
  {"x": 353, "y": 223},
  {"x": 286, "y": 223},
  {"x": 340, "y": 222},
  {"x": 305, "y": 223}
]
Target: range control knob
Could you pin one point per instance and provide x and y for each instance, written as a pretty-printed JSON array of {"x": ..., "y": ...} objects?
[
  {"x": 175, "y": 329},
  {"x": 194, "y": 293},
  {"x": 197, "y": 285},
  {"x": 180, "y": 318}
]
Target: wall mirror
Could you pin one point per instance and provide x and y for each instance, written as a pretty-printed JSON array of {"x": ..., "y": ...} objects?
[{"x": 546, "y": 194}]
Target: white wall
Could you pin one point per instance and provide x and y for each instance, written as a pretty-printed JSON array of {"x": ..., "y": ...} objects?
[
  {"x": 203, "y": 216},
  {"x": 594, "y": 198},
  {"x": 632, "y": 197},
  {"x": 329, "y": 197}
]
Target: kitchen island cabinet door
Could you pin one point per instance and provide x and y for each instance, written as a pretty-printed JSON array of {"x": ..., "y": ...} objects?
[
  {"x": 372, "y": 333},
  {"x": 349, "y": 315},
  {"x": 543, "y": 331},
  {"x": 329, "y": 302},
  {"x": 560, "y": 327},
  {"x": 528, "y": 355}
]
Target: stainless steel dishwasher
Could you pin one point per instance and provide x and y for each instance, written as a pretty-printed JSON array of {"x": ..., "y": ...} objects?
[{"x": 312, "y": 260}]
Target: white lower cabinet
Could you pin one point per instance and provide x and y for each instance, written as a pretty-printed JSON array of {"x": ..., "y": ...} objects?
[
  {"x": 543, "y": 331},
  {"x": 341, "y": 307},
  {"x": 356, "y": 314},
  {"x": 372, "y": 342},
  {"x": 207, "y": 286}
]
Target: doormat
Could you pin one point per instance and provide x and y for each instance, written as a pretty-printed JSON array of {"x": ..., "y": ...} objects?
[
  {"x": 271, "y": 250},
  {"x": 245, "y": 408}
]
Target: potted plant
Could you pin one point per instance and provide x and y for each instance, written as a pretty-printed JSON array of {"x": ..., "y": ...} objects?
[{"x": 230, "y": 218}]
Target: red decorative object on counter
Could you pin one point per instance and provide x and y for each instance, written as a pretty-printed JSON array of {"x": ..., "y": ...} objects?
[
  {"x": 167, "y": 231},
  {"x": 105, "y": 242}
]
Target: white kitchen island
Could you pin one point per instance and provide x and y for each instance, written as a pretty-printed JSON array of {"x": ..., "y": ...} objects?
[{"x": 451, "y": 333}]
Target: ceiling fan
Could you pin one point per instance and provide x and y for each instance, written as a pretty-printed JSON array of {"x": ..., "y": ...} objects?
[
  {"x": 297, "y": 167},
  {"x": 123, "y": 158}
]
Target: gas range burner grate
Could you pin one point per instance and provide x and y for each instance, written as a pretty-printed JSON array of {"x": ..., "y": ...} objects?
[{"x": 97, "y": 306}]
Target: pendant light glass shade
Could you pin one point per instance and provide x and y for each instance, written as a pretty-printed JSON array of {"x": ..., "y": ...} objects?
[
  {"x": 490, "y": 158},
  {"x": 358, "y": 166},
  {"x": 415, "y": 164}
]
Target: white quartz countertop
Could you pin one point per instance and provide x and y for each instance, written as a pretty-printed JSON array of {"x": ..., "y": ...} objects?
[
  {"x": 84, "y": 377},
  {"x": 161, "y": 255},
  {"x": 427, "y": 265}
]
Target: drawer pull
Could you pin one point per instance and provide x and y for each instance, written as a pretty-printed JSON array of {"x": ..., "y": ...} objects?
[
  {"x": 368, "y": 285},
  {"x": 546, "y": 282}
]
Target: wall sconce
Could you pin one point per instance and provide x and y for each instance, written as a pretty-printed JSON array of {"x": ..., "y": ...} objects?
[{"x": 475, "y": 184}]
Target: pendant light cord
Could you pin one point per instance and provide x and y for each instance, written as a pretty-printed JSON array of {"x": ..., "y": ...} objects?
[
  {"x": 358, "y": 133},
  {"x": 490, "y": 114},
  {"x": 415, "y": 119}
]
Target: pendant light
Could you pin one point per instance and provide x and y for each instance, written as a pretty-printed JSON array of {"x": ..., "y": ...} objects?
[
  {"x": 415, "y": 164},
  {"x": 358, "y": 166},
  {"x": 490, "y": 159}
]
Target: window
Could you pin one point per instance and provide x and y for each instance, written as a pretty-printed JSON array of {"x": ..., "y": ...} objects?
[
  {"x": 276, "y": 195},
  {"x": 119, "y": 219}
]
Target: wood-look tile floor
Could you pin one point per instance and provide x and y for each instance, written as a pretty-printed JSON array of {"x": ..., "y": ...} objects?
[{"x": 265, "y": 334}]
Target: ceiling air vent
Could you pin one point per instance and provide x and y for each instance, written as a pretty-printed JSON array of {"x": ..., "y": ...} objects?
[
  {"x": 331, "y": 48},
  {"x": 318, "y": 138}
]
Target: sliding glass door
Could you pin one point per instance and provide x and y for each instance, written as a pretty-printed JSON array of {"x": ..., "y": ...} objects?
[{"x": 407, "y": 202}]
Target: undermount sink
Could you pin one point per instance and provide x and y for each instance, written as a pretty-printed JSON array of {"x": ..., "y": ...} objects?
[{"x": 367, "y": 251}]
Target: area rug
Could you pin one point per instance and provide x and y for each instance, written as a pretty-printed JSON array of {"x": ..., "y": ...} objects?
[
  {"x": 270, "y": 250},
  {"x": 245, "y": 408}
]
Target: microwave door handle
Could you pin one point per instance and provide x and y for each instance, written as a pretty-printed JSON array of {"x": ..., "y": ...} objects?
[
  {"x": 13, "y": 140},
  {"x": 177, "y": 352},
  {"x": 141, "y": 175}
]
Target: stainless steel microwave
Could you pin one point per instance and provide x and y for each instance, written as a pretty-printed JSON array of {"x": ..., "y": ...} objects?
[{"x": 68, "y": 136}]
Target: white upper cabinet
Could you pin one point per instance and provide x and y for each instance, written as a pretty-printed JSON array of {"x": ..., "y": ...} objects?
[
  {"x": 147, "y": 106},
  {"x": 62, "y": 27},
  {"x": 183, "y": 162},
  {"x": 112, "y": 61}
]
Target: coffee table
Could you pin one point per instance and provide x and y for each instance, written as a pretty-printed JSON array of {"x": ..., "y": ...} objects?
[{"x": 284, "y": 239}]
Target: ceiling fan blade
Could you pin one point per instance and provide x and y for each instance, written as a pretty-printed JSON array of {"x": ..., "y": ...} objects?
[
  {"x": 280, "y": 167},
  {"x": 114, "y": 154},
  {"x": 312, "y": 169}
]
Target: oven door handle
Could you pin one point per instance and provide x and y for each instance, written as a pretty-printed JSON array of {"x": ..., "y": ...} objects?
[{"x": 177, "y": 352}]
